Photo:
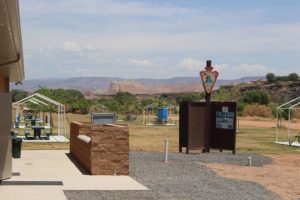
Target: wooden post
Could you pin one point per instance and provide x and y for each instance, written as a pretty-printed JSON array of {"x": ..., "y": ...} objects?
[
  {"x": 209, "y": 78},
  {"x": 208, "y": 119},
  {"x": 208, "y": 110}
]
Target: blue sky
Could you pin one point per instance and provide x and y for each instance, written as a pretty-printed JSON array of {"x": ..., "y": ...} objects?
[{"x": 159, "y": 38}]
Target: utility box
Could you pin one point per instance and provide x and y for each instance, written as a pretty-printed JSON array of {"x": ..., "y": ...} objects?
[
  {"x": 192, "y": 126},
  {"x": 103, "y": 118}
]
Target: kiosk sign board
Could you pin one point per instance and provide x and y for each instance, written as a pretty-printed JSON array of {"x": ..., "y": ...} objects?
[
  {"x": 225, "y": 120},
  {"x": 223, "y": 126}
]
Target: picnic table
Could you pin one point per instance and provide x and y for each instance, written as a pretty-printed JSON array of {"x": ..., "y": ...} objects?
[
  {"x": 33, "y": 121},
  {"x": 292, "y": 139},
  {"x": 37, "y": 131}
]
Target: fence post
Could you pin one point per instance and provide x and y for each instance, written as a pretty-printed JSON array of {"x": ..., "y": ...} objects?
[
  {"x": 249, "y": 161},
  {"x": 166, "y": 149}
]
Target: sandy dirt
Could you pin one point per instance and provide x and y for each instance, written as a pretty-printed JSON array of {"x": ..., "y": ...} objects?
[
  {"x": 282, "y": 176},
  {"x": 265, "y": 123}
]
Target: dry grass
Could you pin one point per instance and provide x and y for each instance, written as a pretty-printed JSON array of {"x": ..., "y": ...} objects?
[
  {"x": 257, "y": 110},
  {"x": 258, "y": 137},
  {"x": 151, "y": 138},
  {"x": 45, "y": 146},
  {"x": 261, "y": 140}
]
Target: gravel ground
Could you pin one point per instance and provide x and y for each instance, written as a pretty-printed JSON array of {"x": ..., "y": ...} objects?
[{"x": 184, "y": 178}]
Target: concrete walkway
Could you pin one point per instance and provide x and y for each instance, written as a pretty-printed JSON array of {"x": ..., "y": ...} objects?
[{"x": 44, "y": 174}]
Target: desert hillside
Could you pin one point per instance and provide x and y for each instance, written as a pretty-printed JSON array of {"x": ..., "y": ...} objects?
[{"x": 112, "y": 85}]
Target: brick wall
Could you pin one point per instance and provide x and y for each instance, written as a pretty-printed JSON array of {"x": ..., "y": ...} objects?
[
  {"x": 108, "y": 151},
  {"x": 79, "y": 149}
]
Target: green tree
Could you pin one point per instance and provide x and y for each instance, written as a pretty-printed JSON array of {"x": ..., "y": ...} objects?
[
  {"x": 18, "y": 95},
  {"x": 190, "y": 97},
  {"x": 148, "y": 101},
  {"x": 72, "y": 99},
  {"x": 256, "y": 96},
  {"x": 271, "y": 78},
  {"x": 240, "y": 107},
  {"x": 161, "y": 103},
  {"x": 226, "y": 93},
  {"x": 282, "y": 78},
  {"x": 293, "y": 77},
  {"x": 127, "y": 102}
]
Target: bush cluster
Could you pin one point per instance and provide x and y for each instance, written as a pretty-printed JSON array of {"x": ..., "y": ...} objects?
[
  {"x": 272, "y": 78},
  {"x": 257, "y": 110},
  {"x": 256, "y": 97},
  {"x": 255, "y": 103}
]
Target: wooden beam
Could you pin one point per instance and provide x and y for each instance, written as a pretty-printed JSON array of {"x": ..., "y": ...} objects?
[{"x": 4, "y": 84}]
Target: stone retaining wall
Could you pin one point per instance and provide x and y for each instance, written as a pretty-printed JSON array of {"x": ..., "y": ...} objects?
[{"x": 108, "y": 151}]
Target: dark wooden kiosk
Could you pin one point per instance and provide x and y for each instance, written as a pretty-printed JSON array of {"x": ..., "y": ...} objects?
[
  {"x": 192, "y": 126},
  {"x": 193, "y": 133},
  {"x": 205, "y": 125}
]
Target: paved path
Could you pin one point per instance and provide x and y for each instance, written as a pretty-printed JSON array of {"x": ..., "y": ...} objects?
[{"x": 46, "y": 174}]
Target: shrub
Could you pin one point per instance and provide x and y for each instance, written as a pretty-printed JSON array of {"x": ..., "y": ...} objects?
[
  {"x": 226, "y": 93},
  {"x": 190, "y": 97},
  {"x": 128, "y": 103},
  {"x": 273, "y": 108},
  {"x": 293, "y": 77},
  {"x": 256, "y": 96},
  {"x": 240, "y": 107},
  {"x": 256, "y": 110},
  {"x": 271, "y": 78}
]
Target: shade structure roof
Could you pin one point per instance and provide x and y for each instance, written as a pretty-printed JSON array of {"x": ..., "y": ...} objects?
[
  {"x": 42, "y": 100},
  {"x": 11, "y": 50},
  {"x": 38, "y": 99},
  {"x": 292, "y": 104}
]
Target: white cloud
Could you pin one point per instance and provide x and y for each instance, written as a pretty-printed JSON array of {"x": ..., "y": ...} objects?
[
  {"x": 192, "y": 64},
  {"x": 221, "y": 67},
  {"x": 70, "y": 46},
  {"x": 142, "y": 63},
  {"x": 246, "y": 70},
  {"x": 231, "y": 41},
  {"x": 197, "y": 65},
  {"x": 80, "y": 72},
  {"x": 252, "y": 70},
  {"x": 134, "y": 33},
  {"x": 105, "y": 7},
  {"x": 115, "y": 37}
]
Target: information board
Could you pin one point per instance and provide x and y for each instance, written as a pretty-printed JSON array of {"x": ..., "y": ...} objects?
[
  {"x": 225, "y": 120},
  {"x": 223, "y": 125}
]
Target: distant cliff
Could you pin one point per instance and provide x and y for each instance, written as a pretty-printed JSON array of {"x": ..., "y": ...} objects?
[{"x": 111, "y": 85}]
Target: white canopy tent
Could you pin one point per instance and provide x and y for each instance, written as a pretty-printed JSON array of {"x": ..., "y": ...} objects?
[
  {"x": 294, "y": 104},
  {"x": 44, "y": 101}
]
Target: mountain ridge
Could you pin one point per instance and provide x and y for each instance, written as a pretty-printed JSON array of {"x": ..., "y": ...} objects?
[{"x": 112, "y": 85}]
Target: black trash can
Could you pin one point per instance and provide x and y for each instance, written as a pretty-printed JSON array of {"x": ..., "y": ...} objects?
[{"x": 16, "y": 147}]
